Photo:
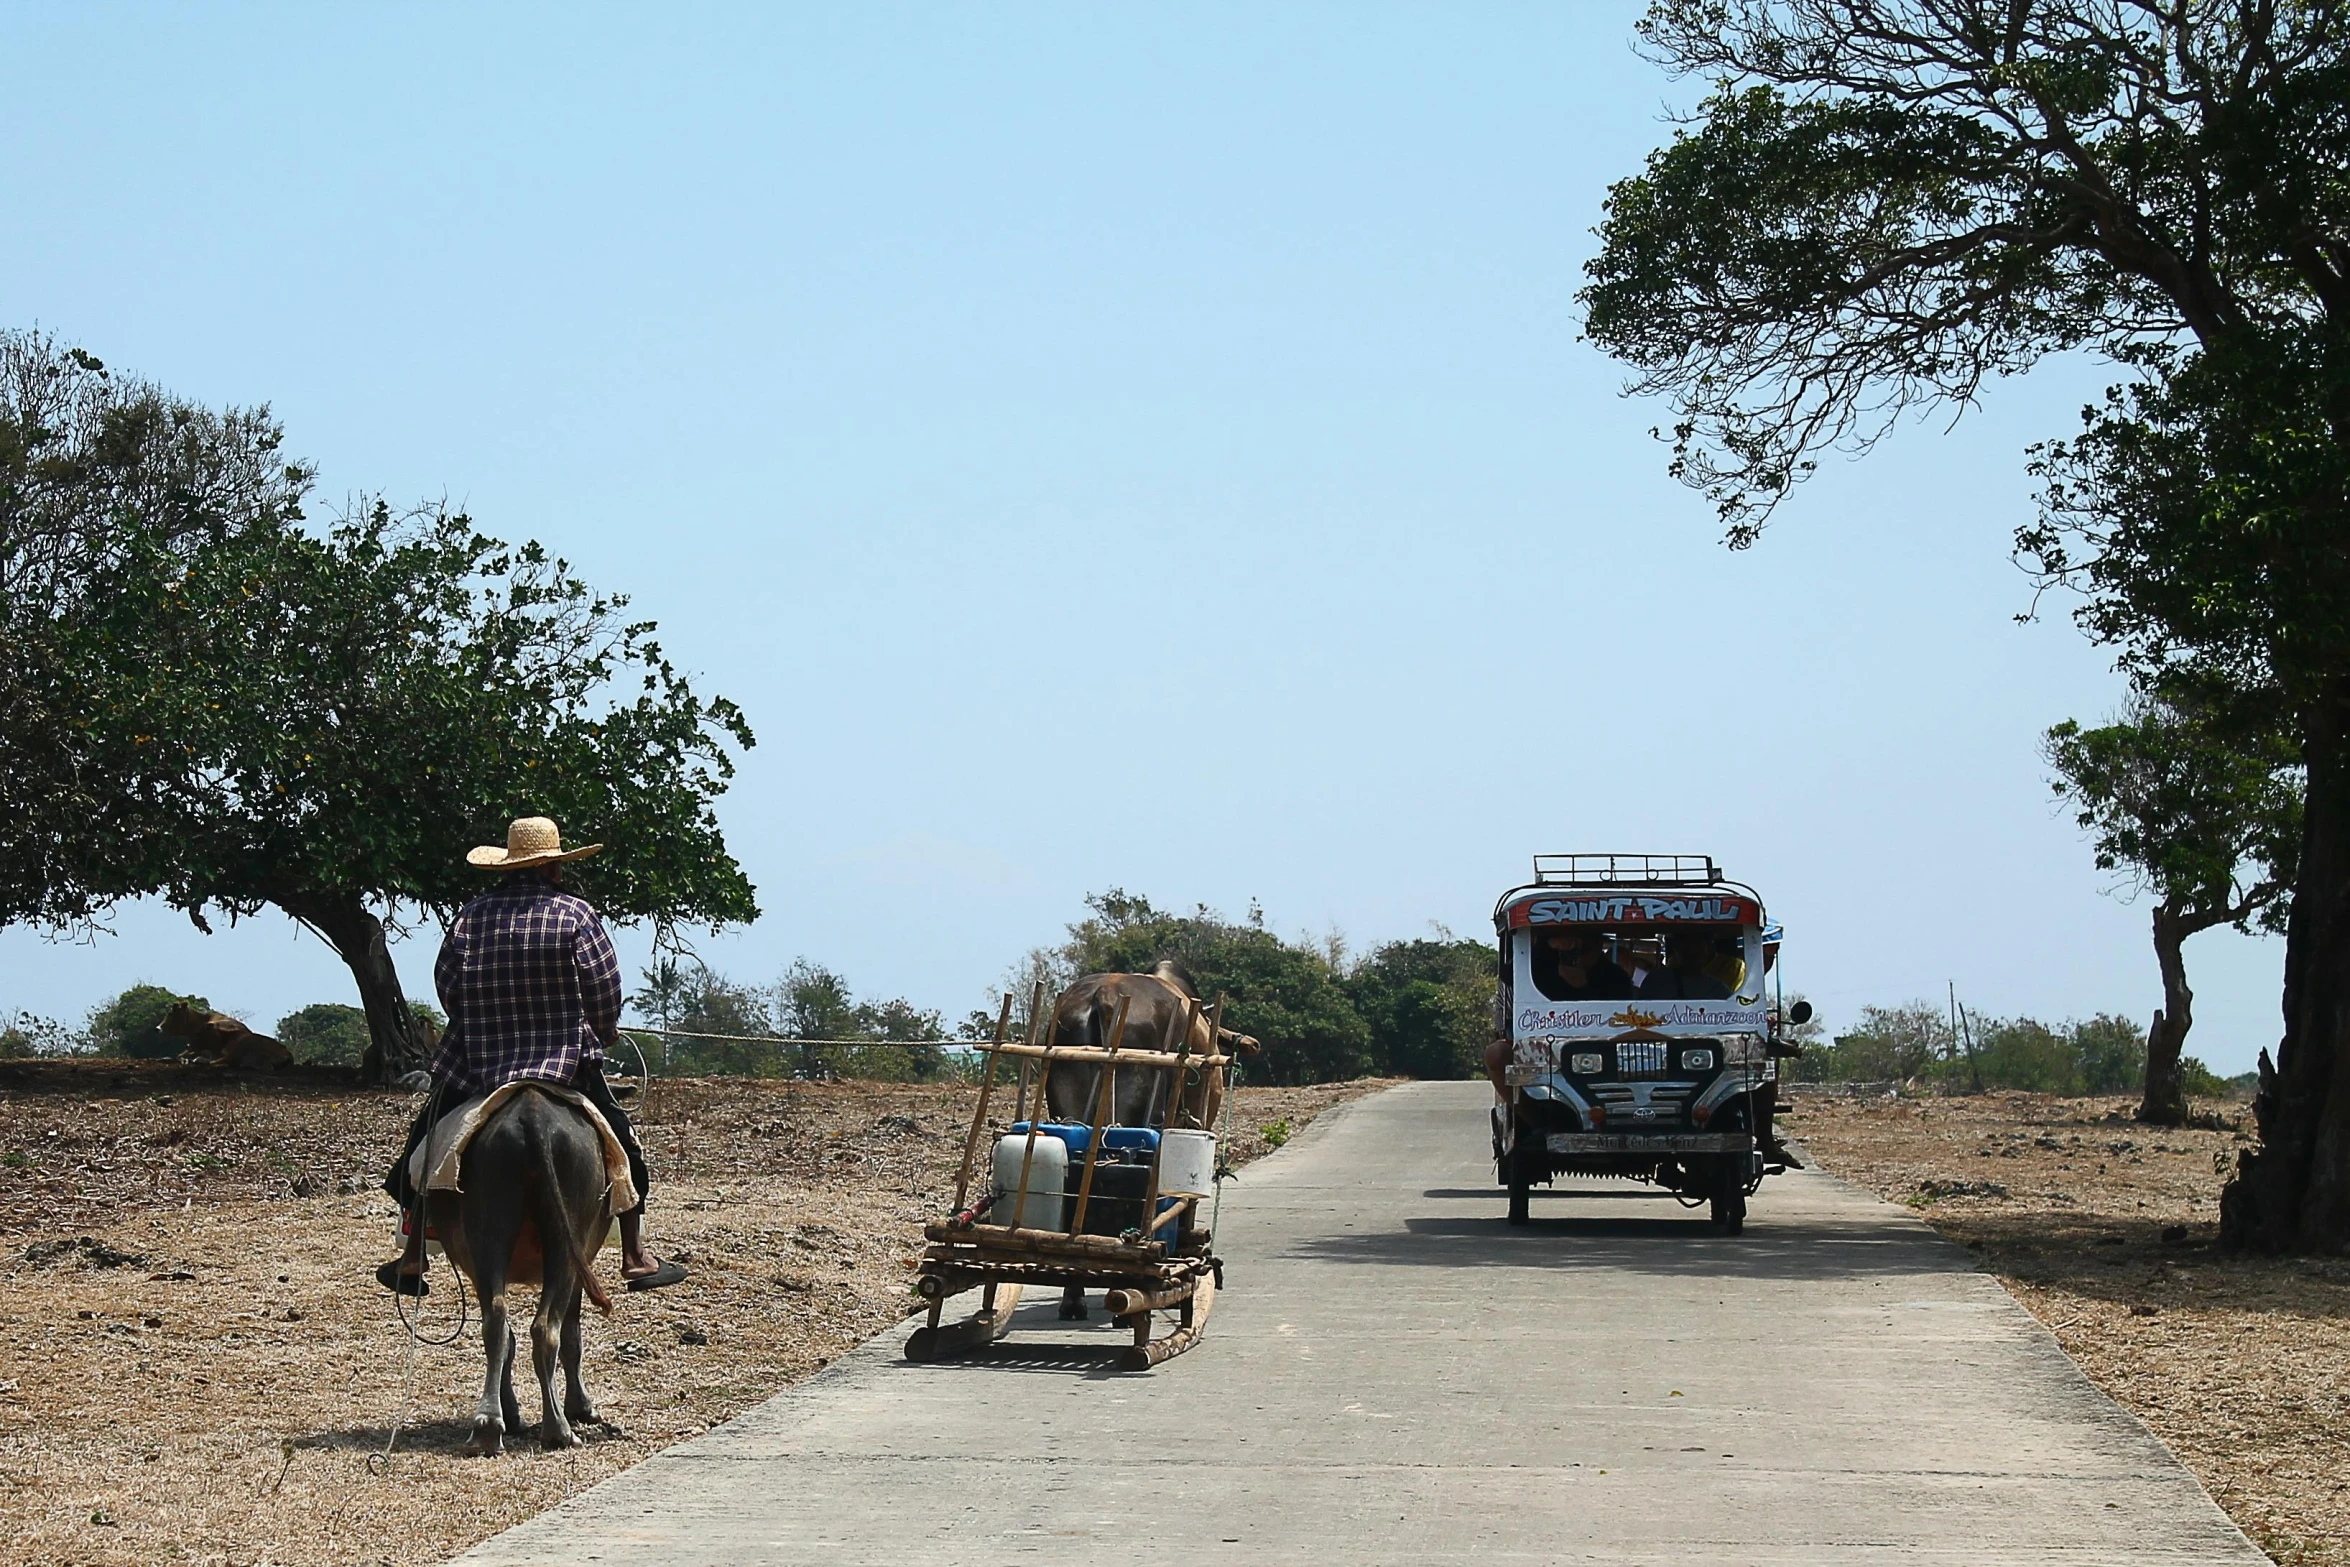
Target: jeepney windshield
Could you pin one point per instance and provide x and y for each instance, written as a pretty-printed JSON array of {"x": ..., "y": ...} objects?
[{"x": 1598, "y": 980}]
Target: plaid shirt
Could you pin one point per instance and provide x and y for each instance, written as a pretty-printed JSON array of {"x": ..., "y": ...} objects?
[{"x": 531, "y": 985}]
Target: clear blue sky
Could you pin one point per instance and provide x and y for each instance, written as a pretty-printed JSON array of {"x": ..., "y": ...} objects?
[{"x": 1098, "y": 446}]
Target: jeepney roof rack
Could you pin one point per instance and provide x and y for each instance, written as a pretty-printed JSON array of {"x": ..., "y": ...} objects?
[{"x": 1638, "y": 870}]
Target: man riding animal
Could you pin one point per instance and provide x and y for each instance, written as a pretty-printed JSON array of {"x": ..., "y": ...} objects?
[{"x": 531, "y": 985}]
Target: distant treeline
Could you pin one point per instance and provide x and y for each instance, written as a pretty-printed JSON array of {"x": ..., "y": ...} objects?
[
  {"x": 1419, "y": 1008},
  {"x": 1926, "y": 1044},
  {"x": 131, "y": 1025},
  {"x": 1407, "y": 1008}
]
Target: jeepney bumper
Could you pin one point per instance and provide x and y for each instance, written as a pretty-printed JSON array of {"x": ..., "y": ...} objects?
[{"x": 1649, "y": 1142}]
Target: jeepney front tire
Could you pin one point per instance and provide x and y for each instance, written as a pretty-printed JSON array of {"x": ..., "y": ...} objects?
[
  {"x": 1729, "y": 1196},
  {"x": 1522, "y": 1176}
]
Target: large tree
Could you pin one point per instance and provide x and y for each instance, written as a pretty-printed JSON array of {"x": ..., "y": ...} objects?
[
  {"x": 2203, "y": 814},
  {"x": 262, "y": 713},
  {"x": 1429, "y": 1004},
  {"x": 92, "y": 465},
  {"x": 1883, "y": 203}
]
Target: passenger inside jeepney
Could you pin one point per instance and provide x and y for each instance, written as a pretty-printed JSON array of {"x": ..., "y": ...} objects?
[
  {"x": 1573, "y": 965},
  {"x": 1705, "y": 967},
  {"x": 1644, "y": 961}
]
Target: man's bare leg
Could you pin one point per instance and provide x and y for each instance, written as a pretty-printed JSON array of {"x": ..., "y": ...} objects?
[
  {"x": 410, "y": 1264},
  {"x": 635, "y": 1261},
  {"x": 1497, "y": 1060}
]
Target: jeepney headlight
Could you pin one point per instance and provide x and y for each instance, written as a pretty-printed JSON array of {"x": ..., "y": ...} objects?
[
  {"x": 1585, "y": 1063},
  {"x": 1697, "y": 1060}
]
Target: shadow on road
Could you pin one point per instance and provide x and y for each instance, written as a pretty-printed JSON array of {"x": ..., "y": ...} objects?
[
  {"x": 1501, "y": 1194},
  {"x": 1660, "y": 1244},
  {"x": 1050, "y": 1350}
]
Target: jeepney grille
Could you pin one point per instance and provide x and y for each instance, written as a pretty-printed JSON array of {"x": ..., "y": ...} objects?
[
  {"x": 1666, "y": 1103},
  {"x": 1641, "y": 1058}
]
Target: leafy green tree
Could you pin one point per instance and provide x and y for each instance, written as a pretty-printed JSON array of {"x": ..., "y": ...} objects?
[
  {"x": 27, "y": 1035},
  {"x": 1286, "y": 996},
  {"x": 814, "y": 1003},
  {"x": 131, "y": 1024},
  {"x": 1883, "y": 204},
  {"x": 88, "y": 459},
  {"x": 2025, "y": 1053},
  {"x": 1887, "y": 1044},
  {"x": 2204, "y": 815},
  {"x": 2201, "y": 1082},
  {"x": 2109, "y": 1053},
  {"x": 324, "y": 723},
  {"x": 325, "y": 1033},
  {"x": 725, "y": 1016},
  {"x": 1429, "y": 1006},
  {"x": 329, "y": 1033},
  {"x": 661, "y": 990}
]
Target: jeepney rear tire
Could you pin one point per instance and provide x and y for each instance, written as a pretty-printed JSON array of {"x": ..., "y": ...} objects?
[{"x": 1729, "y": 1196}]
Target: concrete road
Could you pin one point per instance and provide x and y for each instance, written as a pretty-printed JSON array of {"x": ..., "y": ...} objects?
[{"x": 1392, "y": 1375}]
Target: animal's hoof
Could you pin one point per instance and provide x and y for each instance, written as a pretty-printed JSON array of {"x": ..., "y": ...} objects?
[
  {"x": 582, "y": 1413},
  {"x": 488, "y": 1439},
  {"x": 560, "y": 1436}
]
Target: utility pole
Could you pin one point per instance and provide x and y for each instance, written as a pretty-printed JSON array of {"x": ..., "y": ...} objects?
[{"x": 1974, "y": 1066}]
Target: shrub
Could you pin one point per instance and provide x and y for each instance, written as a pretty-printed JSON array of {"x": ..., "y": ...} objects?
[
  {"x": 27, "y": 1034},
  {"x": 326, "y": 1033},
  {"x": 131, "y": 1023}
]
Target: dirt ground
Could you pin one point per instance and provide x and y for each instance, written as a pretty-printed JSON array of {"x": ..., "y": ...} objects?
[
  {"x": 199, "y": 1367},
  {"x": 2105, "y": 1230}
]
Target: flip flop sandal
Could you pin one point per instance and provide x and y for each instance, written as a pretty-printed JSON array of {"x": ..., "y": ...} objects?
[
  {"x": 660, "y": 1278},
  {"x": 391, "y": 1278}
]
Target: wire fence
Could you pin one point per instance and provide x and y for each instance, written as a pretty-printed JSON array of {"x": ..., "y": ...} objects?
[{"x": 672, "y": 1052}]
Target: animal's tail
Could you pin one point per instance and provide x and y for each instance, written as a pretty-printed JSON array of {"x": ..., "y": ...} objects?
[{"x": 555, "y": 1219}]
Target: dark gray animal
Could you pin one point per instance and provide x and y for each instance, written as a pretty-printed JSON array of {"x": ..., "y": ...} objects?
[{"x": 534, "y": 1208}]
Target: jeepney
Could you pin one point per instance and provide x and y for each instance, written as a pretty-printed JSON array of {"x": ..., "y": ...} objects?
[{"x": 1636, "y": 1030}]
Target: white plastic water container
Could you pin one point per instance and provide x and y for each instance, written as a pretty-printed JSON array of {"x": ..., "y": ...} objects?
[
  {"x": 1187, "y": 1164},
  {"x": 1048, "y": 1173}
]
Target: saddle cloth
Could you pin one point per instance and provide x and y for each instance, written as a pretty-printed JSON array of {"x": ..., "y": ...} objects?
[{"x": 436, "y": 1164}]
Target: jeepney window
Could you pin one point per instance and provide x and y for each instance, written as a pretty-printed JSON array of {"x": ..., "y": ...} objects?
[
  {"x": 1706, "y": 965},
  {"x": 1578, "y": 963},
  {"x": 1596, "y": 963}
]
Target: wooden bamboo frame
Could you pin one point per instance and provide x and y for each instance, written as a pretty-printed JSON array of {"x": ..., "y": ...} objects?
[
  {"x": 991, "y": 1322},
  {"x": 1102, "y": 1102},
  {"x": 1129, "y": 1302},
  {"x": 1143, "y": 1274},
  {"x": 1159, "y": 1058},
  {"x": 1028, "y": 1153},
  {"x": 1003, "y": 1021},
  {"x": 1148, "y": 1352}
]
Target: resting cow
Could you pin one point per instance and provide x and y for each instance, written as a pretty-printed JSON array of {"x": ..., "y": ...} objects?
[
  {"x": 215, "y": 1039},
  {"x": 1157, "y": 1005}
]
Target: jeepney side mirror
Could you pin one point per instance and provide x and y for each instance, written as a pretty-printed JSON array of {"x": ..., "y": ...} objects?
[{"x": 1799, "y": 1014}]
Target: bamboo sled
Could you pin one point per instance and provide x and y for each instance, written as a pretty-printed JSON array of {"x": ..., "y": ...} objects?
[{"x": 1162, "y": 1268}]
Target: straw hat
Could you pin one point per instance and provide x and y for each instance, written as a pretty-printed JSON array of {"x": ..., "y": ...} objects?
[{"x": 530, "y": 840}]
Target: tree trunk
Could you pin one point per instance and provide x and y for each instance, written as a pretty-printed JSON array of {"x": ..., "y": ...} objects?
[
  {"x": 2165, "y": 1100},
  {"x": 395, "y": 1043},
  {"x": 2294, "y": 1193}
]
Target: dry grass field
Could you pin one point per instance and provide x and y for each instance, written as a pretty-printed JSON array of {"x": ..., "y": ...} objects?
[
  {"x": 201, "y": 1369},
  {"x": 2105, "y": 1230}
]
